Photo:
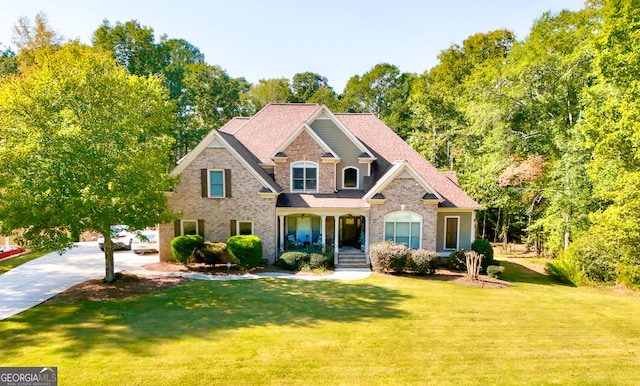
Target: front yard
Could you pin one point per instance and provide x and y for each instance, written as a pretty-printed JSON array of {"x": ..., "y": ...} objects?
[{"x": 382, "y": 330}]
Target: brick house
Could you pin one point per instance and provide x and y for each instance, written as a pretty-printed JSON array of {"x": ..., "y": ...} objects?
[{"x": 298, "y": 174}]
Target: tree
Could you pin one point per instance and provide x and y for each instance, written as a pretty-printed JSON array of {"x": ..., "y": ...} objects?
[
  {"x": 210, "y": 99},
  {"x": 270, "y": 91},
  {"x": 382, "y": 91},
  {"x": 31, "y": 38},
  {"x": 84, "y": 146},
  {"x": 8, "y": 62},
  {"x": 132, "y": 45},
  {"x": 306, "y": 84}
]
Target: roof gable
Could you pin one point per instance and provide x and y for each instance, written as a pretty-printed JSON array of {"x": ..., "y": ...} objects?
[
  {"x": 302, "y": 129},
  {"x": 219, "y": 140},
  {"x": 324, "y": 113},
  {"x": 402, "y": 169}
]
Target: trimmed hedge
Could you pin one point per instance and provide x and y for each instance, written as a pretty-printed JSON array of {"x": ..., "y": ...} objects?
[
  {"x": 212, "y": 253},
  {"x": 457, "y": 261},
  {"x": 245, "y": 250},
  {"x": 483, "y": 247},
  {"x": 423, "y": 262},
  {"x": 293, "y": 261},
  {"x": 387, "y": 256},
  {"x": 300, "y": 260},
  {"x": 184, "y": 248}
]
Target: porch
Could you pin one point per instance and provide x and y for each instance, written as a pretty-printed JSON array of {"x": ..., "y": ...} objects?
[{"x": 347, "y": 234}]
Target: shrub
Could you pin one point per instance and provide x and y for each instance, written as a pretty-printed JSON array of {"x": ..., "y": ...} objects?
[
  {"x": 457, "y": 261},
  {"x": 387, "y": 256},
  {"x": 184, "y": 247},
  {"x": 484, "y": 247},
  {"x": 212, "y": 253},
  {"x": 593, "y": 257},
  {"x": 423, "y": 262},
  {"x": 245, "y": 250},
  {"x": 318, "y": 260},
  {"x": 495, "y": 271},
  {"x": 629, "y": 275},
  {"x": 565, "y": 271},
  {"x": 293, "y": 261},
  {"x": 473, "y": 260}
]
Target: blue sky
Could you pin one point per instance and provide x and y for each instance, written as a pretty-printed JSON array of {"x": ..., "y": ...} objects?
[{"x": 279, "y": 38}]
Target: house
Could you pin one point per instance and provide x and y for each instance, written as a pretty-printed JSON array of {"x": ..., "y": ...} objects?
[{"x": 298, "y": 174}]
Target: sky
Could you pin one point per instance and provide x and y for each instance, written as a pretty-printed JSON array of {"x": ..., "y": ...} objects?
[{"x": 269, "y": 39}]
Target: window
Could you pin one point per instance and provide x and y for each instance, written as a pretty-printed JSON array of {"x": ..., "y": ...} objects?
[
  {"x": 188, "y": 227},
  {"x": 403, "y": 228},
  {"x": 216, "y": 183},
  {"x": 245, "y": 228},
  {"x": 451, "y": 232},
  {"x": 350, "y": 178},
  {"x": 304, "y": 177}
]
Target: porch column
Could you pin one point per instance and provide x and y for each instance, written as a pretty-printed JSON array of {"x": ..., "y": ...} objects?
[
  {"x": 366, "y": 237},
  {"x": 281, "y": 219},
  {"x": 323, "y": 232},
  {"x": 336, "y": 239}
]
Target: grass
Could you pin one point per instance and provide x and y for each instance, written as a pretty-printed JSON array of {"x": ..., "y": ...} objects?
[
  {"x": 382, "y": 330},
  {"x": 9, "y": 264}
]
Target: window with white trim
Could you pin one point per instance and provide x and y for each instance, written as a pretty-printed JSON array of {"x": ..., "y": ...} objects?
[
  {"x": 304, "y": 176},
  {"x": 403, "y": 227},
  {"x": 451, "y": 232},
  {"x": 216, "y": 183},
  {"x": 189, "y": 227},
  {"x": 350, "y": 178},
  {"x": 244, "y": 228}
]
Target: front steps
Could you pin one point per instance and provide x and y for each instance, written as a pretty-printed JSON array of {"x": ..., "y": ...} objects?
[{"x": 352, "y": 260}]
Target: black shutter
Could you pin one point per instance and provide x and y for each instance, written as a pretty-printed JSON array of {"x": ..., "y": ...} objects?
[
  {"x": 176, "y": 228},
  {"x": 203, "y": 183},
  {"x": 232, "y": 228},
  {"x": 227, "y": 183},
  {"x": 201, "y": 228}
]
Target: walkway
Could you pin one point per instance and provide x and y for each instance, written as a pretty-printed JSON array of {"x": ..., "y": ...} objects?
[{"x": 34, "y": 282}]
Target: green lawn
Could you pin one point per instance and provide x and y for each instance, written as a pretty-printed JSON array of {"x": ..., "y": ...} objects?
[{"x": 382, "y": 330}]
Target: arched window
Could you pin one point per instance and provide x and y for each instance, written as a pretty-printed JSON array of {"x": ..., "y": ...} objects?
[
  {"x": 350, "y": 178},
  {"x": 304, "y": 177},
  {"x": 403, "y": 227}
]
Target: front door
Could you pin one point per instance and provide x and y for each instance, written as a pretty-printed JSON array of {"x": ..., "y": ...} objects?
[
  {"x": 350, "y": 229},
  {"x": 303, "y": 230}
]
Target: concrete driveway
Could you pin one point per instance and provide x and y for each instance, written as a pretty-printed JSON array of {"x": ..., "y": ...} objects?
[{"x": 38, "y": 280}]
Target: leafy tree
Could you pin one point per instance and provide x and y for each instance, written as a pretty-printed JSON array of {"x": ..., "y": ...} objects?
[
  {"x": 30, "y": 38},
  {"x": 381, "y": 91},
  {"x": 84, "y": 146},
  {"x": 270, "y": 91},
  {"x": 210, "y": 98},
  {"x": 326, "y": 96},
  {"x": 8, "y": 62},
  {"x": 132, "y": 45},
  {"x": 306, "y": 84}
]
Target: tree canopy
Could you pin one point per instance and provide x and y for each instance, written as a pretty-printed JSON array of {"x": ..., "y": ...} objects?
[{"x": 84, "y": 146}]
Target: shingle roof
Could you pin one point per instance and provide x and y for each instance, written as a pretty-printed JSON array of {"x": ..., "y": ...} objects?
[
  {"x": 386, "y": 144},
  {"x": 270, "y": 127},
  {"x": 341, "y": 200}
]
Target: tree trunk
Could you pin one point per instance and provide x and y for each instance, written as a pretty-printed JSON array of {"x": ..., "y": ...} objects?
[
  {"x": 110, "y": 275},
  {"x": 484, "y": 224},
  {"x": 497, "y": 230},
  {"x": 567, "y": 231}
]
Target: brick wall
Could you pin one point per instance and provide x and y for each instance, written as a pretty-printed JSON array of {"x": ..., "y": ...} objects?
[
  {"x": 245, "y": 203},
  {"x": 305, "y": 148},
  {"x": 409, "y": 193}
]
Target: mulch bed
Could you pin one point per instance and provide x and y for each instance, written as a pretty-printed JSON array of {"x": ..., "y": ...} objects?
[
  {"x": 483, "y": 281},
  {"x": 126, "y": 285}
]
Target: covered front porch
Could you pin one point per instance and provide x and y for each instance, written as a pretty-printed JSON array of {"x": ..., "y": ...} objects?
[{"x": 344, "y": 233}]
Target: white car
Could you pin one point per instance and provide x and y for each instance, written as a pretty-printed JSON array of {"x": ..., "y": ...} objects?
[
  {"x": 145, "y": 241},
  {"x": 120, "y": 237}
]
